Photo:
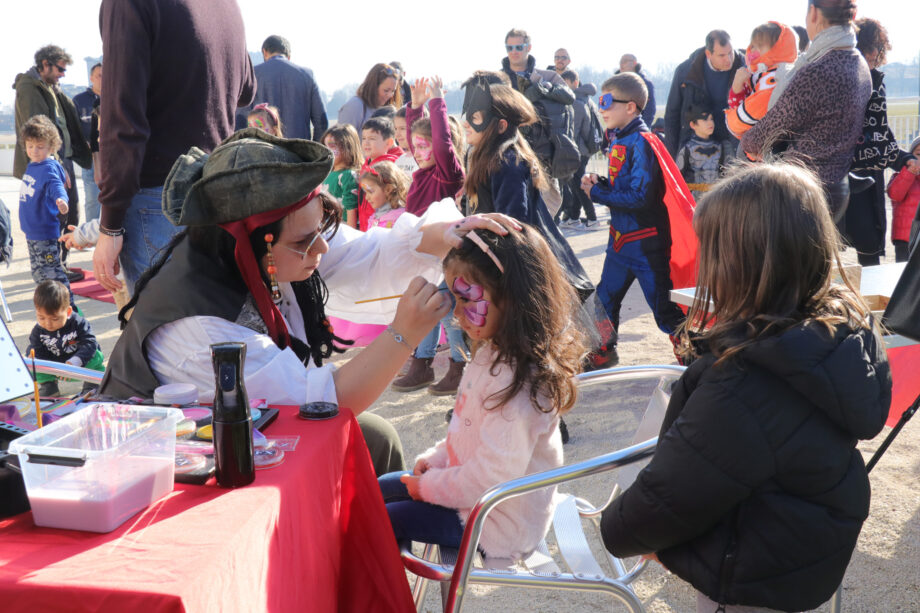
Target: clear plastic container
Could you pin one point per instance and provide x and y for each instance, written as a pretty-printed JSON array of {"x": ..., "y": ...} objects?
[{"x": 95, "y": 468}]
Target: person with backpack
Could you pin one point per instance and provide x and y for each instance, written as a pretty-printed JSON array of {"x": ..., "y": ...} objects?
[
  {"x": 552, "y": 137},
  {"x": 590, "y": 137}
]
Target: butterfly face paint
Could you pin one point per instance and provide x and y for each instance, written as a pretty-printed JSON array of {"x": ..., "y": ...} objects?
[
  {"x": 477, "y": 309},
  {"x": 423, "y": 150},
  {"x": 256, "y": 122}
]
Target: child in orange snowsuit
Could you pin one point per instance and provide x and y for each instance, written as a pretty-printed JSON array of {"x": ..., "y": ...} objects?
[{"x": 773, "y": 49}]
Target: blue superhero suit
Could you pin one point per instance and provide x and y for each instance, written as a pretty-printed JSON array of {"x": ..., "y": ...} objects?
[{"x": 639, "y": 246}]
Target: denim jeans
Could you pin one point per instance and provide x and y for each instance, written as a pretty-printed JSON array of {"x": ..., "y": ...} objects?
[
  {"x": 90, "y": 195},
  {"x": 147, "y": 232},
  {"x": 414, "y": 520},
  {"x": 429, "y": 345}
]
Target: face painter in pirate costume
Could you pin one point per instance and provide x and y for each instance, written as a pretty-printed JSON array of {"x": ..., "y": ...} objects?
[{"x": 262, "y": 255}]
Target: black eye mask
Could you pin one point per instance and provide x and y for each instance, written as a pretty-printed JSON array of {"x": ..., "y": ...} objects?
[{"x": 478, "y": 98}]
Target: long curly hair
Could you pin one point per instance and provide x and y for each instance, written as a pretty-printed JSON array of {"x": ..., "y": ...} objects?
[
  {"x": 219, "y": 246},
  {"x": 537, "y": 334},
  {"x": 768, "y": 250},
  {"x": 872, "y": 36}
]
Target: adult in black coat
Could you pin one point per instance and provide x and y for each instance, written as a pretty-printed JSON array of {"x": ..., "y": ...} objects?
[
  {"x": 865, "y": 221},
  {"x": 757, "y": 493},
  {"x": 702, "y": 81}
]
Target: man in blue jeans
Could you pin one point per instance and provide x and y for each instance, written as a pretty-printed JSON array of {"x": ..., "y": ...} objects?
[{"x": 162, "y": 97}]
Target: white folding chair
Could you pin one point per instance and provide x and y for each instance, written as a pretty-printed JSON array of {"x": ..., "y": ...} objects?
[{"x": 455, "y": 568}]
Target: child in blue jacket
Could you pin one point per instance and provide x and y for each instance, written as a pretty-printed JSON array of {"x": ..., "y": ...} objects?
[{"x": 42, "y": 196}]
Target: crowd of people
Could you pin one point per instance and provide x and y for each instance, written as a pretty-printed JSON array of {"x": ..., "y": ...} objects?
[{"x": 223, "y": 206}]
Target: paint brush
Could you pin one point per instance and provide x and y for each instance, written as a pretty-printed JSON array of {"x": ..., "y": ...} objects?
[
  {"x": 443, "y": 289},
  {"x": 38, "y": 404}
]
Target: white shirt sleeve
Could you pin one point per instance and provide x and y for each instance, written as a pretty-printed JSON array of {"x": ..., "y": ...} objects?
[
  {"x": 380, "y": 262},
  {"x": 179, "y": 352}
]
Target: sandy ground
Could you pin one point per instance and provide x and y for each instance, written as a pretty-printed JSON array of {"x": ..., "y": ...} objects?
[{"x": 885, "y": 570}]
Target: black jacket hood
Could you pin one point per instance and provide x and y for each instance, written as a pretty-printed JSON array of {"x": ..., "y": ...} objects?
[{"x": 810, "y": 358}]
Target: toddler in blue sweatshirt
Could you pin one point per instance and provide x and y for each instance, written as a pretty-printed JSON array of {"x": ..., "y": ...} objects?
[{"x": 42, "y": 196}]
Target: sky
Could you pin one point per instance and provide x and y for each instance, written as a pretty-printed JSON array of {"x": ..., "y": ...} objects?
[{"x": 340, "y": 41}]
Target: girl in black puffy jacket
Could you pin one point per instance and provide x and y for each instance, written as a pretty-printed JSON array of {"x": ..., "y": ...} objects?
[{"x": 757, "y": 493}]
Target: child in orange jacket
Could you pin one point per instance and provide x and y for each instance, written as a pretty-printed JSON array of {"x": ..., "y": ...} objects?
[{"x": 773, "y": 49}]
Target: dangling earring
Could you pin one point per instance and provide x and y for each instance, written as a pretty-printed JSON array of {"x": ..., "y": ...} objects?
[{"x": 272, "y": 269}]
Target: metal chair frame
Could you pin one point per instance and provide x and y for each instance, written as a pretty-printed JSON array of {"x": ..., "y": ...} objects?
[
  {"x": 67, "y": 371},
  {"x": 542, "y": 572}
]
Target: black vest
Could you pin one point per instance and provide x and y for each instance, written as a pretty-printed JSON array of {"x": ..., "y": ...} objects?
[{"x": 189, "y": 284}]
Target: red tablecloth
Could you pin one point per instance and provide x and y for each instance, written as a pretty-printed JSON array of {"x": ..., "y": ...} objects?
[
  {"x": 905, "y": 377},
  {"x": 309, "y": 535}
]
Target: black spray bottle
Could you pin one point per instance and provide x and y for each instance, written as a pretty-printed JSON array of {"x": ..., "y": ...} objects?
[{"x": 233, "y": 457}]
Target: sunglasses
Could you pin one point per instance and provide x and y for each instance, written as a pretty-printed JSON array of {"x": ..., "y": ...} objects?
[
  {"x": 510, "y": 48},
  {"x": 561, "y": 57},
  {"x": 61, "y": 69},
  {"x": 606, "y": 101},
  {"x": 391, "y": 72},
  {"x": 327, "y": 225}
]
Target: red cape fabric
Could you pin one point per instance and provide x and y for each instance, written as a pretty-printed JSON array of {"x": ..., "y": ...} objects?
[
  {"x": 311, "y": 534},
  {"x": 680, "y": 205}
]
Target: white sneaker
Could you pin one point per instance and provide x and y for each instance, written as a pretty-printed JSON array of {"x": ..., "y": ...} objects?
[
  {"x": 591, "y": 224},
  {"x": 568, "y": 223}
]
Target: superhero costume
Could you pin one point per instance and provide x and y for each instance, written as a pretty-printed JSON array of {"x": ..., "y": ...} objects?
[{"x": 651, "y": 235}]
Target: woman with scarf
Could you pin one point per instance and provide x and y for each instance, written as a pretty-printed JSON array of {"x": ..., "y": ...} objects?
[
  {"x": 261, "y": 247},
  {"x": 816, "y": 112}
]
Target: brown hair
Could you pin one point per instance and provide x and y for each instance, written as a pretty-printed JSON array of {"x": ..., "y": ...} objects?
[
  {"x": 536, "y": 335},
  {"x": 767, "y": 252},
  {"x": 766, "y": 34},
  {"x": 346, "y": 139},
  {"x": 717, "y": 36},
  {"x": 40, "y": 128},
  {"x": 569, "y": 75},
  {"x": 51, "y": 296},
  {"x": 379, "y": 73},
  {"x": 52, "y": 54},
  {"x": 836, "y": 12},
  {"x": 514, "y": 32},
  {"x": 872, "y": 36},
  {"x": 486, "y": 158},
  {"x": 629, "y": 86},
  {"x": 388, "y": 174}
]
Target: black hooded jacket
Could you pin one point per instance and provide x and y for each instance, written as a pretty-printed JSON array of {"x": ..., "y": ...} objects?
[{"x": 757, "y": 493}]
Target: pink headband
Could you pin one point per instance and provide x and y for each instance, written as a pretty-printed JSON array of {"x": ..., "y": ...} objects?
[
  {"x": 485, "y": 249},
  {"x": 264, "y": 106}
]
